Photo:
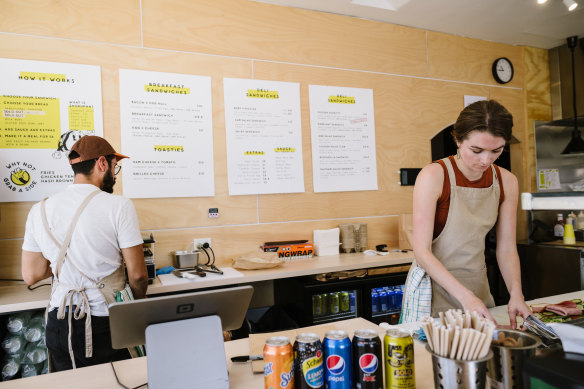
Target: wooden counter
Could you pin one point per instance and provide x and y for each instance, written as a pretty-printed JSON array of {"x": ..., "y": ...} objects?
[
  {"x": 14, "y": 298},
  {"x": 133, "y": 373}
]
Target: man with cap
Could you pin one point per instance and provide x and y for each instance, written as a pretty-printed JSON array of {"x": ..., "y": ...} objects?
[{"x": 82, "y": 237}]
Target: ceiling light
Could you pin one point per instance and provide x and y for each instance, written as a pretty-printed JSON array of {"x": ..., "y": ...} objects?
[
  {"x": 570, "y": 4},
  {"x": 541, "y": 1}
]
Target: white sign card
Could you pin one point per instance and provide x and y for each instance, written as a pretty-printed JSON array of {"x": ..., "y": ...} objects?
[
  {"x": 45, "y": 107},
  {"x": 469, "y": 99},
  {"x": 167, "y": 132},
  {"x": 342, "y": 127},
  {"x": 549, "y": 179},
  {"x": 264, "y": 136}
]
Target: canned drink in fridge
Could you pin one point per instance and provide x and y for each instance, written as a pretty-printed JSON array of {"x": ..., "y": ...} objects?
[
  {"x": 317, "y": 304},
  {"x": 398, "y": 347},
  {"x": 308, "y": 362},
  {"x": 344, "y": 301},
  {"x": 337, "y": 352},
  {"x": 367, "y": 360},
  {"x": 278, "y": 363},
  {"x": 374, "y": 301},
  {"x": 399, "y": 295},
  {"x": 382, "y": 293},
  {"x": 333, "y": 303},
  {"x": 352, "y": 305}
]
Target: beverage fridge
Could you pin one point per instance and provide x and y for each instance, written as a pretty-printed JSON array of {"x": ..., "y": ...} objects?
[{"x": 373, "y": 294}]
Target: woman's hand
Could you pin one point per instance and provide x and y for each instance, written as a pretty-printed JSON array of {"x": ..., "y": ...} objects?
[
  {"x": 473, "y": 303},
  {"x": 517, "y": 307}
]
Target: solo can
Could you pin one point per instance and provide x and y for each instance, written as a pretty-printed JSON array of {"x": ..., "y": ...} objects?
[
  {"x": 367, "y": 360},
  {"x": 398, "y": 347},
  {"x": 278, "y": 363},
  {"x": 308, "y": 362},
  {"x": 337, "y": 352}
]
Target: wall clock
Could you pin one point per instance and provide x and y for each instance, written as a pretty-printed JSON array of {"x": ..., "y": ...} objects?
[{"x": 502, "y": 70}]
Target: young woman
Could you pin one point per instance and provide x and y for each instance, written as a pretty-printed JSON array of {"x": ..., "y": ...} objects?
[{"x": 457, "y": 201}]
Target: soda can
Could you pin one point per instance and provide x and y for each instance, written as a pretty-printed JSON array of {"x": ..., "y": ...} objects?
[
  {"x": 308, "y": 362},
  {"x": 278, "y": 363},
  {"x": 333, "y": 303},
  {"x": 317, "y": 305},
  {"x": 398, "y": 348},
  {"x": 352, "y": 301},
  {"x": 399, "y": 296},
  {"x": 367, "y": 360},
  {"x": 382, "y": 300},
  {"x": 344, "y": 301},
  {"x": 374, "y": 301},
  {"x": 337, "y": 352},
  {"x": 391, "y": 299}
]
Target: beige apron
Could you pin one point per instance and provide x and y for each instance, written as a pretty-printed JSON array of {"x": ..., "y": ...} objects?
[
  {"x": 108, "y": 286},
  {"x": 460, "y": 247}
]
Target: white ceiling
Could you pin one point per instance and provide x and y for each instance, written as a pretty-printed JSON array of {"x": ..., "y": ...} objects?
[{"x": 516, "y": 22}]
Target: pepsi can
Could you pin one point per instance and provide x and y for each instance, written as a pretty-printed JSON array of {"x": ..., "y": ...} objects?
[
  {"x": 352, "y": 301},
  {"x": 374, "y": 301},
  {"x": 337, "y": 352},
  {"x": 367, "y": 360},
  {"x": 391, "y": 298},
  {"x": 382, "y": 293}
]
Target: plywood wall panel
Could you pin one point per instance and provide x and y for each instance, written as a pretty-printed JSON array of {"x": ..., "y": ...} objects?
[
  {"x": 10, "y": 254},
  {"x": 249, "y": 29},
  {"x": 109, "y": 21},
  {"x": 13, "y": 218},
  {"x": 232, "y": 241},
  {"x": 453, "y": 57}
]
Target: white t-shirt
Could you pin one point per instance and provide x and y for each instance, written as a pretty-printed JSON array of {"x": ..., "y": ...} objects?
[{"x": 108, "y": 224}]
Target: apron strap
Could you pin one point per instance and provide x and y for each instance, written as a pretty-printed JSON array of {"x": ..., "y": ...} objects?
[{"x": 67, "y": 241}]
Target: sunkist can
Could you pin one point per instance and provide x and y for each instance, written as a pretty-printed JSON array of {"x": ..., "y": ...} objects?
[
  {"x": 337, "y": 352},
  {"x": 367, "y": 360},
  {"x": 398, "y": 347},
  {"x": 308, "y": 362},
  {"x": 278, "y": 363}
]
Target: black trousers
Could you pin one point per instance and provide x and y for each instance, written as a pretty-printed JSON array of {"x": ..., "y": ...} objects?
[{"x": 57, "y": 335}]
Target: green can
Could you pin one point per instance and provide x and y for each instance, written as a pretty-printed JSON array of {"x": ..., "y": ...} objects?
[
  {"x": 317, "y": 305},
  {"x": 398, "y": 347},
  {"x": 333, "y": 303},
  {"x": 344, "y": 301}
]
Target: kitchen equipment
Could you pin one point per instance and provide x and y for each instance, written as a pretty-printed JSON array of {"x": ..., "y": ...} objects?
[
  {"x": 505, "y": 366},
  {"x": 456, "y": 374},
  {"x": 186, "y": 259}
]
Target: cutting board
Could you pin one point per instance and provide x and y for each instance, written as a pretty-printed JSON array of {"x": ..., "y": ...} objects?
[{"x": 257, "y": 341}]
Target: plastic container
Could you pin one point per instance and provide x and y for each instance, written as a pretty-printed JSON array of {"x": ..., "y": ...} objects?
[
  {"x": 505, "y": 367},
  {"x": 580, "y": 221},
  {"x": 459, "y": 374}
]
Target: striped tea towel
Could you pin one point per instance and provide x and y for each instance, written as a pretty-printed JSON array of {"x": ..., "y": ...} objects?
[
  {"x": 126, "y": 295},
  {"x": 417, "y": 302}
]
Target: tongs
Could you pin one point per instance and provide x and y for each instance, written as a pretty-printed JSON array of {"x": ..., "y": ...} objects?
[
  {"x": 209, "y": 269},
  {"x": 539, "y": 328},
  {"x": 188, "y": 273}
]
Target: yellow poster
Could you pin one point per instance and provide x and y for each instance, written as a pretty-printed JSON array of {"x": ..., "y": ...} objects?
[
  {"x": 29, "y": 122},
  {"x": 81, "y": 118}
]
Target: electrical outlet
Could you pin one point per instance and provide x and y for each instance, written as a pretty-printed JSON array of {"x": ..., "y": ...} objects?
[{"x": 198, "y": 243}]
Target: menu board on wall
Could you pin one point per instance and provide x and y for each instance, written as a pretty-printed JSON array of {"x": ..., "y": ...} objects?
[
  {"x": 342, "y": 128},
  {"x": 167, "y": 132},
  {"x": 45, "y": 107},
  {"x": 264, "y": 136}
]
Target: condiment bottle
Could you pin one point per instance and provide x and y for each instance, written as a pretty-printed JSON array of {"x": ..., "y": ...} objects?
[
  {"x": 572, "y": 218},
  {"x": 559, "y": 227},
  {"x": 569, "y": 237},
  {"x": 580, "y": 221}
]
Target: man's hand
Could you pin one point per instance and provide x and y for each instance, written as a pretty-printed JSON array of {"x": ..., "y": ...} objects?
[{"x": 137, "y": 273}]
